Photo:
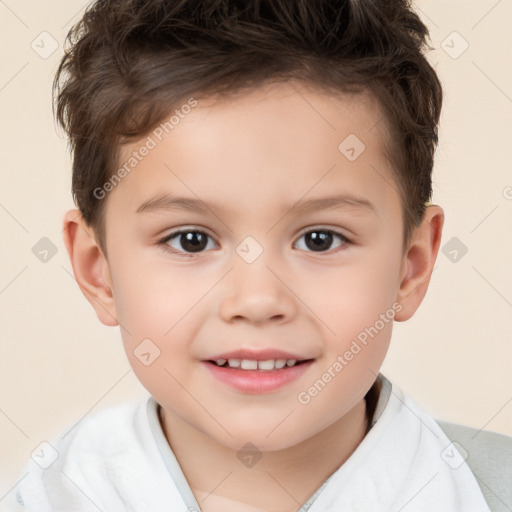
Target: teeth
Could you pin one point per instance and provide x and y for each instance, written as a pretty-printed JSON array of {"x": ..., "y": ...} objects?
[
  {"x": 246, "y": 364},
  {"x": 249, "y": 364},
  {"x": 266, "y": 365}
]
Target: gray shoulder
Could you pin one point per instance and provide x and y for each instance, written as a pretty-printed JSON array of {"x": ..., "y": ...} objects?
[
  {"x": 489, "y": 456},
  {"x": 480, "y": 443}
]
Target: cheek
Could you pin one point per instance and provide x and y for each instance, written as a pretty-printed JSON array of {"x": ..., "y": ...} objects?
[
  {"x": 154, "y": 310},
  {"x": 354, "y": 296},
  {"x": 151, "y": 296},
  {"x": 159, "y": 308},
  {"x": 355, "y": 304}
]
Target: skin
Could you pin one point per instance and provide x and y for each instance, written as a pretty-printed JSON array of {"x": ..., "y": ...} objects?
[{"x": 255, "y": 155}]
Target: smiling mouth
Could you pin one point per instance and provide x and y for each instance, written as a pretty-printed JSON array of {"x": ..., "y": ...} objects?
[{"x": 269, "y": 365}]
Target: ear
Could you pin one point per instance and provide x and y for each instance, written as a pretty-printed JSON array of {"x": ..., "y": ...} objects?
[
  {"x": 419, "y": 261},
  {"x": 90, "y": 266}
]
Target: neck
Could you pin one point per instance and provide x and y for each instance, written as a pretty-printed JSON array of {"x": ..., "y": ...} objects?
[{"x": 281, "y": 480}]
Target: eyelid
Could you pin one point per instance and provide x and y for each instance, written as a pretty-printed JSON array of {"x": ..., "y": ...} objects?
[
  {"x": 321, "y": 227},
  {"x": 186, "y": 229},
  {"x": 346, "y": 241},
  {"x": 314, "y": 227}
]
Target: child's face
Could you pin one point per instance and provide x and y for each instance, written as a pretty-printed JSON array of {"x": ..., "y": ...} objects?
[{"x": 256, "y": 159}]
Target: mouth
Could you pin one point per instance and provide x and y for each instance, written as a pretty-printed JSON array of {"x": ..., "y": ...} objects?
[
  {"x": 257, "y": 376},
  {"x": 269, "y": 365}
]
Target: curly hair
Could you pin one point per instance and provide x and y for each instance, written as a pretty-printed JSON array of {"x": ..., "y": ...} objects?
[{"x": 129, "y": 62}]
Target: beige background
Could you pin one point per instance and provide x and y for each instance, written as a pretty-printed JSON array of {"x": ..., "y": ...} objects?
[{"x": 58, "y": 363}]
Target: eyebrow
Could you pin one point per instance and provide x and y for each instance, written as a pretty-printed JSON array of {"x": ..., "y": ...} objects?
[{"x": 165, "y": 202}]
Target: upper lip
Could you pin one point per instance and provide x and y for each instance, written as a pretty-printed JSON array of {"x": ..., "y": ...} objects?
[{"x": 258, "y": 355}]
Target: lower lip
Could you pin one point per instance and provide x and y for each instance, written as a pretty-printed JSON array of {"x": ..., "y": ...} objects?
[{"x": 256, "y": 381}]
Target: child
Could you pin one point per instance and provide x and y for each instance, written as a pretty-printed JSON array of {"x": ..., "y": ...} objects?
[{"x": 253, "y": 183}]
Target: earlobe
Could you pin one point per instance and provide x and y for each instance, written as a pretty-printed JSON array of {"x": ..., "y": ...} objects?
[
  {"x": 420, "y": 259},
  {"x": 90, "y": 266}
]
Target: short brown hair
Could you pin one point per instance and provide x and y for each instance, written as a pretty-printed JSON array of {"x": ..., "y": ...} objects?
[{"x": 129, "y": 62}]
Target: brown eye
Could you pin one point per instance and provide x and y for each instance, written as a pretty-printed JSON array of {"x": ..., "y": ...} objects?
[
  {"x": 321, "y": 240},
  {"x": 187, "y": 241}
]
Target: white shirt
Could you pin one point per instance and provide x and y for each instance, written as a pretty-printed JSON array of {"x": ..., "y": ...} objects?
[{"x": 118, "y": 460}]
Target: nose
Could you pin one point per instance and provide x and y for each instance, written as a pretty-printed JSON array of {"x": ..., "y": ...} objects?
[{"x": 256, "y": 294}]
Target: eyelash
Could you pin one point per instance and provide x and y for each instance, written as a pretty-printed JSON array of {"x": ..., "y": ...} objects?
[{"x": 164, "y": 241}]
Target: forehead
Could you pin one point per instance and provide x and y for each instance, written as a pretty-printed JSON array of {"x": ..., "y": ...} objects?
[{"x": 277, "y": 143}]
